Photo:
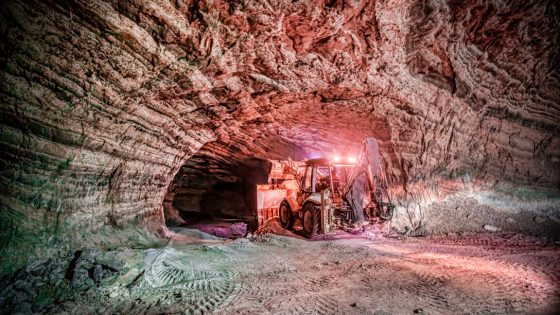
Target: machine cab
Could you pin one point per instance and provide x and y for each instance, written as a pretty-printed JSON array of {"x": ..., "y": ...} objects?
[{"x": 318, "y": 175}]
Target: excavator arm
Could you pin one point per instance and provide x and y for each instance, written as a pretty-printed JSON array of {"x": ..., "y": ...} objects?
[{"x": 367, "y": 184}]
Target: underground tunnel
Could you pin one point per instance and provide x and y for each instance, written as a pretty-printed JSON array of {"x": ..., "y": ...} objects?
[
  {"x": 279, "y": 157},
  {"x": 211, "y": 187}
]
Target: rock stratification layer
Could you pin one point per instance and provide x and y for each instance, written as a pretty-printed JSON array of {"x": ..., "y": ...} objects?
[{"x": 103, "y": 102}]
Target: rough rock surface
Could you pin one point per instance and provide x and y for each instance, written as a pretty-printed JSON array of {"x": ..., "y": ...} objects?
[{"x": 103, "y": 102}]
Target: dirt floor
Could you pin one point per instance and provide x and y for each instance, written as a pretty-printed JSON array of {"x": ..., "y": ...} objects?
[{"x": 368, "y": 274}]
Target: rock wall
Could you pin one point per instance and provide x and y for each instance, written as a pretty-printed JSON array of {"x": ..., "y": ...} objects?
[{"x": 103, "y": 101}]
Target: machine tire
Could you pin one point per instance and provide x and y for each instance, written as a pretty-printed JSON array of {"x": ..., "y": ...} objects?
[
  {"x": 387, "y": 213},
  {"x": 310, "y": 220},
  {"x": 286, "y": 215},
  {"x": 385, "y": 208}
]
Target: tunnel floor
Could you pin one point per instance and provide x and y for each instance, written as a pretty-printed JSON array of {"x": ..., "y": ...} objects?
[{"x": 371, "y": 274}]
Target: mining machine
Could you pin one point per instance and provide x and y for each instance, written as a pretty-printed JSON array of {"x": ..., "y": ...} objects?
[{"x": 335, "y": 194}]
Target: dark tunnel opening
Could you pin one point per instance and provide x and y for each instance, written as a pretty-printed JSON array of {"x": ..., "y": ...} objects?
[{"x": 210, "y": 193}]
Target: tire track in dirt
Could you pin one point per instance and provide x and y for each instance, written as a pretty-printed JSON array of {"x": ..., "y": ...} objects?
[
  {"x": 527, "y": 282},
  {"x": 174, "y": 277},
  {"x": 512, "y": 281},
  {"x": 301, "y": 289},
  {"x": 274, "y": 276},
  {"x": 317, "y": 303}
]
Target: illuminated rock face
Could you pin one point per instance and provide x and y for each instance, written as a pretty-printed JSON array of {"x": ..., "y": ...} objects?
[{"x": 103, "y": 102}]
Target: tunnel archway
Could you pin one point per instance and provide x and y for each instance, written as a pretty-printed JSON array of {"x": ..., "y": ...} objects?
[{"x": 219, "y": 184}]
